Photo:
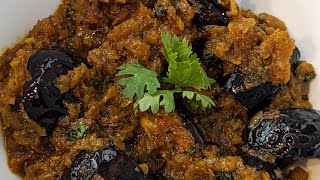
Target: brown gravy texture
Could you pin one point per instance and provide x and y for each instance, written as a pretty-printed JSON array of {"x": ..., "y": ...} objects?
[{"x": 116, "y": 32}]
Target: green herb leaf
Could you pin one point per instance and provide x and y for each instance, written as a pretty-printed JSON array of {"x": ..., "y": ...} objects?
[
  {"x": 310, "y": 76},
  {"x": 224, "y": 176},
  {"x": 154, "y": 101},
  {"x": 184, "y": 71},
  {"x": 184, "y": 67},
  {"x": 205, "y": 101},
  {"x": 78, "y": 133},
  {"x": 165, "y": 98},
  {"x": 191, "y": 150},
  {"x": 142, "y": 79}
]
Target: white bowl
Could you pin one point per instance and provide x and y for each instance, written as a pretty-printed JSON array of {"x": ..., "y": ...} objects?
[{"x": 19, "y": 16}]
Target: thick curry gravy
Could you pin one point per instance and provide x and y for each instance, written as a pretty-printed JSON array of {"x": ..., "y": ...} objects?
[{"x": 107, "y": 34}]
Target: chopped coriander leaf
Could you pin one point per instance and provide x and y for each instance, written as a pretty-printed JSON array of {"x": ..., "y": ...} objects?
[
  {"x": 205, "y": 101},
  {"x": 184, "y": 71},
  {"x": 184, "y": 67},
  {"x": 154, "y": 101},
  {"x": 291, "y": 102},
  {"x": 224, "y": 176},
  {"x": 175, "y": 4},
  {"x": 142, "y": 79},
  {"x": 310, "y": 76},
  {"x": 78, "y": 133},
  {"x": 188, "y": 74},
  {"x": 174, "y": 50},
  {"x": 191, "y": 151},
  {"x": 165, "y": 98}
]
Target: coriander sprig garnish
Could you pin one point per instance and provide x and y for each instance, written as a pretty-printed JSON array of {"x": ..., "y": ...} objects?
[
  {"x": 184, "y": 71},
  {"x": 142, "y": 79},
  {"x": 78, "y": 133},
  {"x": 184, "y": 67}
]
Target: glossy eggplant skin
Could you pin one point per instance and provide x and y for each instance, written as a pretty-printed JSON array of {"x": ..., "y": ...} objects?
[
  {"x": 288, "y": 133},
  {"x": 257, "y": 98},
  {"x": 160, "y": 13},
  {"x": 295, "y": 59},
  {"x": 253, "y": 100},
  {"x": 233, "y": 83},
  {"x": 110, "y": 163},
  {"x": 187, "y": 118},
  {"x": 182, "y": 112},
  {"x": 211, "y": 13},
  {"x": 43, "y": 103},
  {"x": 42, "y": 100},
  {"x": 51, "y": 63},
  {"x": 210, "y": 62}
]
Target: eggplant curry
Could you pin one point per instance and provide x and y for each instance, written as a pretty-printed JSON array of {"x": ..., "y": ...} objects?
[{"x": 157, "y": 89}]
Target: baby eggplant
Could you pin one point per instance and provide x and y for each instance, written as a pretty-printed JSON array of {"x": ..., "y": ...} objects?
[
  {"x": 43, "y": 103},
  {"x": 108, "y": 163},
  {"x": 210, "y": 62},
  {"x": 294, "y": 59},
  {"x": 234, "y": 83},
  {"x": 190, "y": 126},
  {"x": 186, "y": 118},
  {"x": 255, "y": 99},
  {"x": 287, "y": 133},
  {"x": 212, "y": 13},
  {"x": 41, "y": 99},
  {"x": 51, "y": 63},
  {"x": 160, "y": 13}
]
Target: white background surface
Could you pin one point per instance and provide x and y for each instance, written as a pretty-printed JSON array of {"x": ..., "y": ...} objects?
[
  {"x": 17, "y": 17},
  {"x": 302, "y": 18}
]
